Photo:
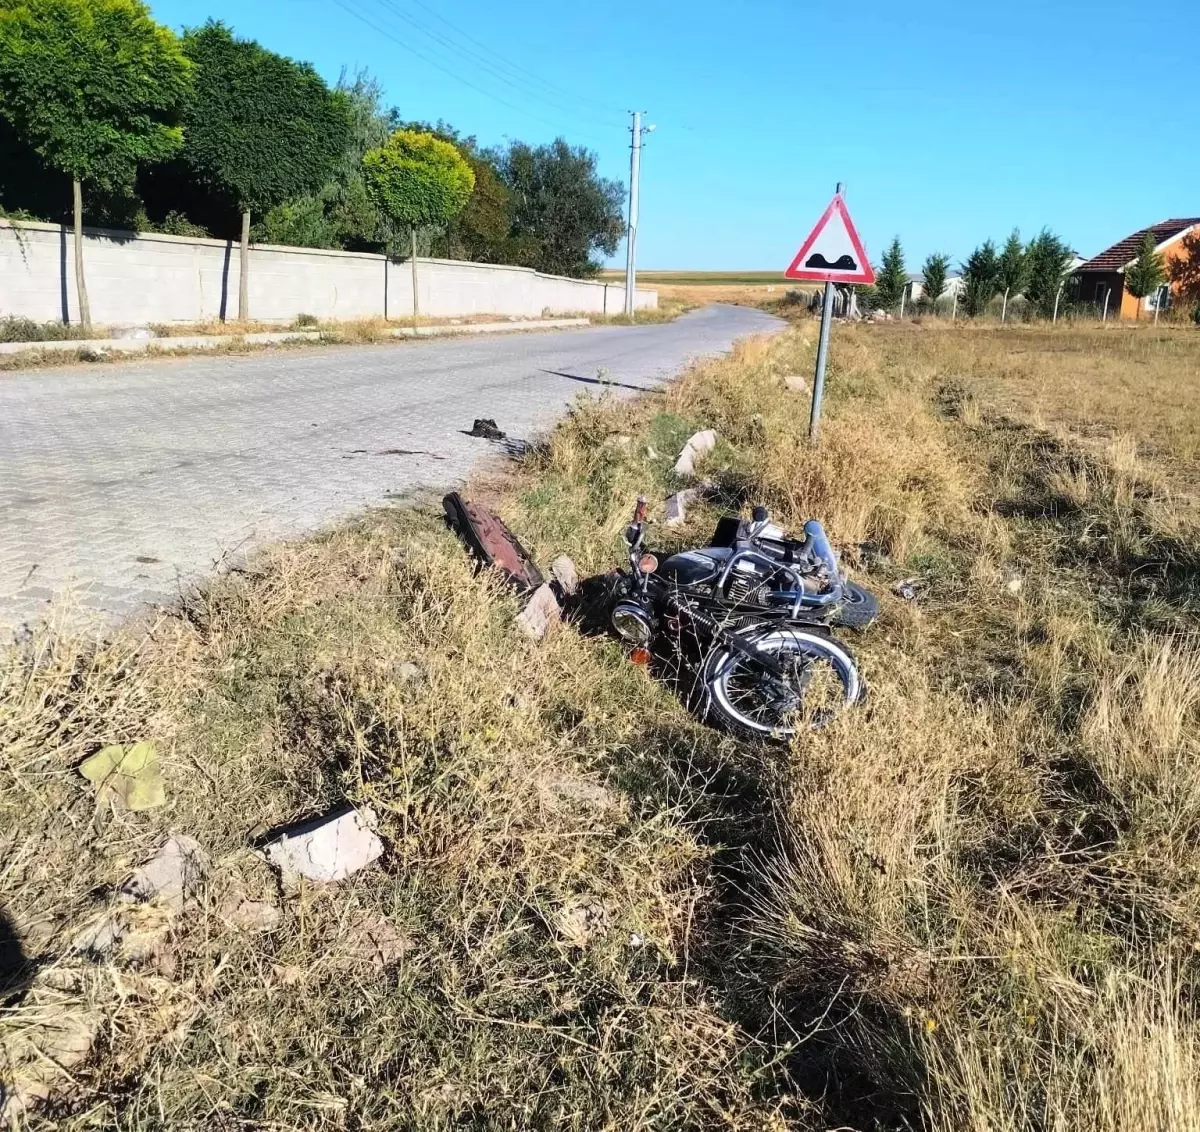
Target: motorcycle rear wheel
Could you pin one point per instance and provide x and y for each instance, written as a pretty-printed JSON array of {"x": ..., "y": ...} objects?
[
  {"x": 750, "y": 701},
  {"x": 859, "y": 608}
]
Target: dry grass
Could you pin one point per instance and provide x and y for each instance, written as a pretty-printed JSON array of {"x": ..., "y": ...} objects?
[{"x": 974, "y": 904}]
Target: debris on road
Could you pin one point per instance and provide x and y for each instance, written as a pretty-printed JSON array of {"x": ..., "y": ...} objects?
[
  {"x": 699, "y": 444},
  {"x": 486, "y": 429},
  {"x": 129, "y": 776},
  {"x": 328, "y": 848},
  {"x": 540, "y": 613}
]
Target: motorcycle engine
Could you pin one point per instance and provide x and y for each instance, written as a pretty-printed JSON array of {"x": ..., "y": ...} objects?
[{"x": 748, "y": 586}]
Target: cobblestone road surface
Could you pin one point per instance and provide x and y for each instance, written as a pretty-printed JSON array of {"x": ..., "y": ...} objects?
[{"x": 126, "y": 483}]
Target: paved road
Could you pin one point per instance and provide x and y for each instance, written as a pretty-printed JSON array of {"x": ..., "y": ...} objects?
[{"x": 125, "y": 483}]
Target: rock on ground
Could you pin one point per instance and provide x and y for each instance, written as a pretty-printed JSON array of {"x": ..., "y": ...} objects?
[
  {"x": 172, "y": 875},
  {"x": 563, "y": 571},
  {"x": 698, "y": 444},
  {"x": 330, "y": 848},
  {"x": 541, "y": 611}
]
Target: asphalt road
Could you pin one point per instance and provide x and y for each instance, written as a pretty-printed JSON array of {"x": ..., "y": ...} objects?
[{"x": 124, "y": 484}]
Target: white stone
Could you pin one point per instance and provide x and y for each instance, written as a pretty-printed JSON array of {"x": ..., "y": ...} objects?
[
  {"x": 677, "y": 506},
  {"x": 327, "y": 849},
  {"x": 172, "y": 875},
  {"x": 795, "y": 383},
  {"x": 699, "y": 444},
  {"x": 541, "y": 611},
  {"x": 563, "y": 571},
  {"x": 1013, "y": 585},
  {"x": 99, "y": 937}
]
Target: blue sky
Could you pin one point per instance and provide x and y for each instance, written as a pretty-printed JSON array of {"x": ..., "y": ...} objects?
[{"x": 948, "y": 121}]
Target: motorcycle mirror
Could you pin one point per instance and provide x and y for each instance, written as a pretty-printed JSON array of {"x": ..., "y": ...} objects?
[{"x": 760, "y": 514}]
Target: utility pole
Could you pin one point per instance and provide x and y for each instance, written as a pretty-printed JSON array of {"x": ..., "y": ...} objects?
[{"x": 635, "y": 175}]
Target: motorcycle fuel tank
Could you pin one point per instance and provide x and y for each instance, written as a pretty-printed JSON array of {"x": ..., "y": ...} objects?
[{"x": 695, "y": 567}]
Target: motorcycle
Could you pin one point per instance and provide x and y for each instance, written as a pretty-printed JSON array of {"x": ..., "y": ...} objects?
[{"x": 747, "y": 619}]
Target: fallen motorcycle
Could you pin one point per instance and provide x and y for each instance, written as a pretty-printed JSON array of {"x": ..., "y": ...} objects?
[
  {"x": 754, "y": 567},
  {"x": 742, "y": 625}
]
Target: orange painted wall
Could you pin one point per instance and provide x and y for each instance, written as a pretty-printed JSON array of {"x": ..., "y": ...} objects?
[{"x": 1129, "y": 305}]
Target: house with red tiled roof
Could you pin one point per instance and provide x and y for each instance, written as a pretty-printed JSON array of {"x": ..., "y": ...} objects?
[{"x": 1101, "y": 279}]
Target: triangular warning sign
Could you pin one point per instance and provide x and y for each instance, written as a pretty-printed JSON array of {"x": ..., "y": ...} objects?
[{"x": 833, "y": 253}]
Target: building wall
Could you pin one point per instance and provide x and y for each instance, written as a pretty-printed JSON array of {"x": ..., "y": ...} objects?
[
  {"x": 1122, "y": 304},
  {"x": 136, "y": 279}
]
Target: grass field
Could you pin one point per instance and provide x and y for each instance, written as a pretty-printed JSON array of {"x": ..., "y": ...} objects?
[{"x": 973, "y": 904}]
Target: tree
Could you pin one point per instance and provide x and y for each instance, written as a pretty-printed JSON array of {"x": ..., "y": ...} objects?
[
  {"x": 1184, "y": 271},
  {"x": 892, "y": 277},
  {"x": 417, "y": 180},
  {"x": 260, "y": 129},
  {"x": 935, "y": 270},
  {"x": 1012, "y": 269},
  {"x": 341, "y": 214},
  {"x": 563, "y": 210},
  {"x": 981, "y": 275},
  {"x": 95, "y": 87},
  {"x": 1047, "y": 259},
  {"x": 1147, "y": 273}
]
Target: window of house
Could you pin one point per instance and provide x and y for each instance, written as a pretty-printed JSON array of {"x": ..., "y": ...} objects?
[{"x": 1159, "y": 300}]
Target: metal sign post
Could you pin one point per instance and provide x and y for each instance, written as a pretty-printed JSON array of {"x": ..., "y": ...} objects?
[
  {"x": 814, "y": 417},
  {"x": 832, "y": 254}
]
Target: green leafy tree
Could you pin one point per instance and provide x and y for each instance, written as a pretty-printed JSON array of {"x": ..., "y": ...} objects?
[
  {"x": 94, "y": 86},
  {"x": 417, "y": 180},
  {"x": 934, "y": 271},
  {"x": 981, "y": 275},
  {"x": 260, "y": 129},
  {"x": 892, "y": 276},
  {"x": 481, "y": 231},
  {"x": 564, "y": 212},
  {"x": 1047, "y": 260},
  {"x": 1013, "y": 270},
  {"x": 1147, "y": 273},
  {"x": 341, "y": 214}
]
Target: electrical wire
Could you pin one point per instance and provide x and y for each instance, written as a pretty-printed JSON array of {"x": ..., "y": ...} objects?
[
  {"x": 478, "y": 61},
  {"x": 516, "y": 68},
  {"x": 366, "y": 19}
]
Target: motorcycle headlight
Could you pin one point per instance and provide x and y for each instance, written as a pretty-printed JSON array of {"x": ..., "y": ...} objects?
[{"x": 632, "y": 623}]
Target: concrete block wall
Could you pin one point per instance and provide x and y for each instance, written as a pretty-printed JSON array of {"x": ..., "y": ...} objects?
[{"x": 141, "y": 278}]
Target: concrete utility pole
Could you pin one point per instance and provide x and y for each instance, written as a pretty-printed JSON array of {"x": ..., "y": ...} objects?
[{"x": 635, "y": 175}]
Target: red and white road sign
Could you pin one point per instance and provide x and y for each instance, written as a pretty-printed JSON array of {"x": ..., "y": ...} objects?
[{"x": 833, "y": 253}]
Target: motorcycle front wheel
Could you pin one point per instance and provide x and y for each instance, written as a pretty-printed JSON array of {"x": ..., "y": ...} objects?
[{"x": 820, "y": 679}]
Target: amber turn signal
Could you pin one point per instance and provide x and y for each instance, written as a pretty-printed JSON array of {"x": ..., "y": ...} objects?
[{"x": 640, "y": 655}]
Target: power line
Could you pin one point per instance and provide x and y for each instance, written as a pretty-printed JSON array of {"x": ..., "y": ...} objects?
[
  {"x": 454, "y": 74},
  {"x": 479, "y": 61},
  {"x": 514, "y": 67}
]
